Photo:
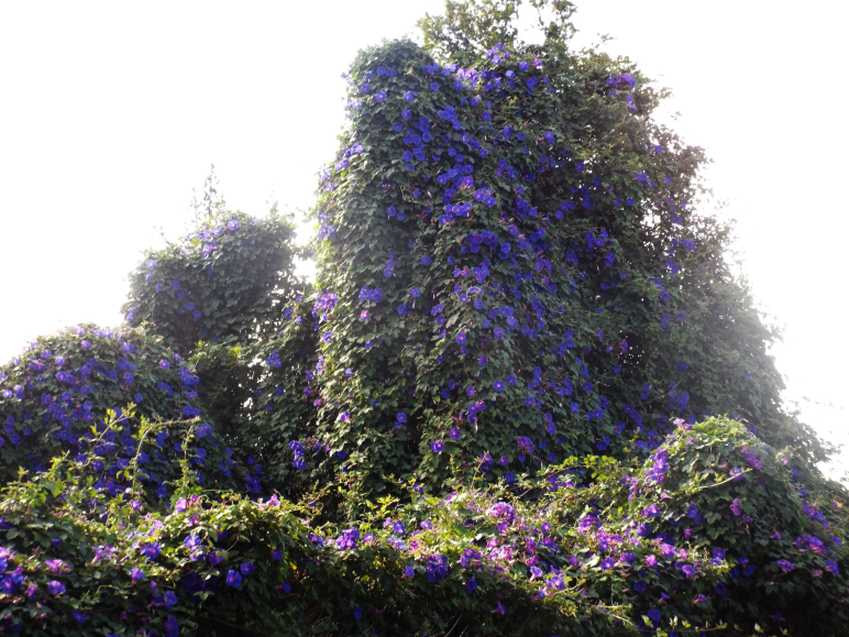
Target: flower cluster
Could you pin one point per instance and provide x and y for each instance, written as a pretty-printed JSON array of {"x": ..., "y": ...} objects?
[{"x": 54, "y": 397}]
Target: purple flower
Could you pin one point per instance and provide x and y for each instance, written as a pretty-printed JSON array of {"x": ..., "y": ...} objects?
[
  {"x": 660, "y": 466},
  {"x": 150, "y": 549},
  {"x": 246, "y": 568},
  {"x": 654, "y": 615},
  {"x": 273, "y": 360},
  {"x": 172, "y": 627},
  {"x": 736, "y": 507},
  {"x": 470, "y": 557},
  {"x": 694, "y": 514},
  {"x": 525, "y": 444},
  {"x": 233, "y": 579},
  {"x": 348, "y": 539},
  {"x": 689, "y": 570},
  {"x": 623, "y": 81},
  {"x": 785, "y": 565},
  {"x": 375, "y": 295},
  {"x": 136, "y": 575},
  {"x": 437, "y": 446},
  {"x": 651, "y": 511},
  {"x": 57, "y": 567},
  {"x": 103, "y": 552},
  {"x": 389, "y": 267},
  {"x": 752, "y": 459},
  {"x": 502, "y": 512},
  {"x": 587, "y": 522},
  {"x": 436, "y": 568},
  {"x": 55, "y": 587}
]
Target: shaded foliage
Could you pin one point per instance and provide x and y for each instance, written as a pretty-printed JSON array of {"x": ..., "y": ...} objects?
[{"x": 217, "y": 284}]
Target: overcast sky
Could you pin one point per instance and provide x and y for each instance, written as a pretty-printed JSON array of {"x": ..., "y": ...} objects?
[{"x": 112, "y": 112}]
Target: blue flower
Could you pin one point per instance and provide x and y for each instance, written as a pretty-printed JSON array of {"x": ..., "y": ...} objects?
[
  {"x": 348, "y": 539},
  {"x": 375, "y": 295},
  {"x": 172, "y": 626},
  {"x": 654, "y": 615},
  {"x": 246, "y": 568},
  {"x": 150, "y": 550},
  {"x": 170, "y": 599},
  {"x": 55, "y": 587},
  {"x": 436, "y": 568},
  {"x": 273, "y": 360},
  {"x": 234, "y": 578}
]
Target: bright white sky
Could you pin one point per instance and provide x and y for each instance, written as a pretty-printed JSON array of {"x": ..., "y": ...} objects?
[{"x": 111, "y": 113}]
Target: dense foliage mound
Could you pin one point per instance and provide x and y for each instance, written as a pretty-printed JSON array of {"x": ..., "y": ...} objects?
[
  {"x": 511, "y": 270},
  {"x": 713, "y": 531},
  {"x": 524, "y": 396},
  {"x": 220, "y": 284},
  {"x": 55, "y": 396}
]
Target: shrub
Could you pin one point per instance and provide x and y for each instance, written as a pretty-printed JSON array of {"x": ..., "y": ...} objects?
[
  {"x": 218, "y": 284},
  {"x": 54, "y": 396}
]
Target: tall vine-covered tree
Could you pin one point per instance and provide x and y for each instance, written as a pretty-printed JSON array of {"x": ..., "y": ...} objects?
[{"x": 512, "y": 267}]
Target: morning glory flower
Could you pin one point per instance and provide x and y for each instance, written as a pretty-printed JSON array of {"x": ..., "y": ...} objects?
[
  {"x": 234, "y": 578},
  {"x": 55, "y": 587},
  {"x": 348, "y": 539},
  {"x": 736, "y": 507}
]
